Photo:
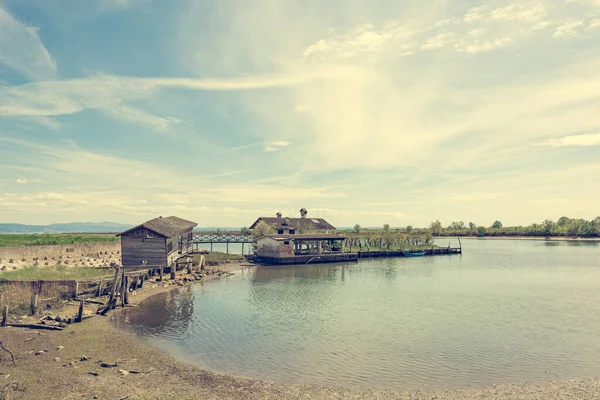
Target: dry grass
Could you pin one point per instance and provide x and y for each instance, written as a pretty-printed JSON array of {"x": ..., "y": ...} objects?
[
  {"x": 60, "y": 272},
  {"x": 43, "y": 239},
  {"x": 17, "y": 296}
]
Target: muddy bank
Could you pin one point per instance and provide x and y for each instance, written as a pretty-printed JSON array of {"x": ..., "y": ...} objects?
[{"x": 95, "y": 359}]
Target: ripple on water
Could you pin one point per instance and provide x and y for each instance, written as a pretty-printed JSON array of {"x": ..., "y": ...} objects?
[{"x": 489, "y": 316}]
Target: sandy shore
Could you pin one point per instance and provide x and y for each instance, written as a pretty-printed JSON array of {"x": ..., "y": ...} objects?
[{"x": 143, "y": 372}]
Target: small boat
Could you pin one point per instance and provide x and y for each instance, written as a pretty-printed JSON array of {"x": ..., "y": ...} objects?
[{"x": 414, "y": 253}]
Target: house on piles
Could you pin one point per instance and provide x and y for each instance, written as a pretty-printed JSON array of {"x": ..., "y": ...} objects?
[
  {"x": 158, "y": 242},
  {"x": 303, "y": 224},
  {"x": 300, "y": 241}
]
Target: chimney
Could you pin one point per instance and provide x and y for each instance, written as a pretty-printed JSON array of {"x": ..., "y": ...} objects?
[
  {"x": 278, "y": 215},
  {"x": 303, "y": 212}
]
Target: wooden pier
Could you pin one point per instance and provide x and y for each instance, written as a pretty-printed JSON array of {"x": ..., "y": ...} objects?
[
  {"x": 435, "y": 251},
  {"x": 353, "y": 256}
]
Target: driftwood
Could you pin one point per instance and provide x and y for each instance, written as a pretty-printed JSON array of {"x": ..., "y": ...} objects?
[
  {"x": 109, "y": 306},
  {"x": 37, "y": 326},
  {"x": 12, "y": 356},
  {"x": 89, "y": 301}
]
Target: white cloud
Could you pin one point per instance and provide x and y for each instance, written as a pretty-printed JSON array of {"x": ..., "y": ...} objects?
[
  {"x": 472, "y": 44},
  {"x": 275, "y": 146},
  {"x": 364, "y": 39},
  {"x": 568, "y": 29},
  {"x": 112, "y": 94},
  {"x": 594, "y": 24},
  {"x": 483, "y": 46},
  {"x": 518, "y": 11},
  {"x": 301, "y": 108},
  {"x": 48, "y": 122},
  {"x": 21, "y": 180},
  {"x": 587, "y": 139},
  {"x": 541, "y": 25},
  {"x": 22, "y": 50},
  {"x": 440, "y": 40},
  {"x": 48, "y": 196}
]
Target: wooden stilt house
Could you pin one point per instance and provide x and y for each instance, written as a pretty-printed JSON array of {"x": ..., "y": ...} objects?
[{"x": 156, "y": 243}]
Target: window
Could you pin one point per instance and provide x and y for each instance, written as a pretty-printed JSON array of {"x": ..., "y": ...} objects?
[
  {"x": 292, "y": 231},
  {"x": 170, "y": 247},
  {"x": 280, "y": 231},
  {"x": 286, "y": 242}
]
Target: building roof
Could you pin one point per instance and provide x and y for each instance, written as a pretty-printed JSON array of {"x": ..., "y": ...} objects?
[
  {"x": 167, "y": 227},
  {"x": 310, "y": 223},
  {"x": 306, "y": 236}
]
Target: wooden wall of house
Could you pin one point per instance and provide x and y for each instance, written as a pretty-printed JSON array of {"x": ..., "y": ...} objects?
[
  {"x": 173, "y": 242},
  {"x": 143, "y": 245}
]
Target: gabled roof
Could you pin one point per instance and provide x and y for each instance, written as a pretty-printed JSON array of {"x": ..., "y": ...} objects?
[
  {"x": 166, "y": 227},
  {"x": 297, "y": 223}
]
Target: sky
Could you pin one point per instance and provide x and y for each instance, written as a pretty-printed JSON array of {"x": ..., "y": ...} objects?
[{"x": 394, "y": 112}]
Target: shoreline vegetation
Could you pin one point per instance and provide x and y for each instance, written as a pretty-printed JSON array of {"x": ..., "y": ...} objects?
[
  {"x": 563, "y": 229},
  {"x": 95, "y": 358},
  {"x": 408, "y": 237},
  {"x": 46, "y": 239}
]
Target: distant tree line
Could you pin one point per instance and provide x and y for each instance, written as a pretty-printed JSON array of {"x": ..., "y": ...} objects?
[{"x": 564, "y": 226}]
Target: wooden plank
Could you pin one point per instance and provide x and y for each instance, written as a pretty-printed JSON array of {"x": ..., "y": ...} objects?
[{"x": 37, "y": 326}]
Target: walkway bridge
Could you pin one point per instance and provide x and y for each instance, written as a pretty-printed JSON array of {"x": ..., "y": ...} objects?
[{"x": 222, "y": 237}]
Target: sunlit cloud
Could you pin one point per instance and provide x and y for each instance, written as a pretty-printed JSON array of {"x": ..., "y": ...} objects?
[
  {"x": 587, "y": 139},
  {"x": 275, "y": 146}
]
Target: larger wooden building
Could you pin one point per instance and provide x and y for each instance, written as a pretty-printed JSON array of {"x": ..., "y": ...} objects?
[
  {"x": 155, "y": 243},
  {"x": 296, "y": 225}
]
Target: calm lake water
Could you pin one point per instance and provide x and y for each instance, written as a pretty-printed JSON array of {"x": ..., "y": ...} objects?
[{"x": 504, "y": 311}]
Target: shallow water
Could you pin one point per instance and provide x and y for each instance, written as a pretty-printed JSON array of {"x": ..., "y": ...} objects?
[{"x": 504, "y": 311}]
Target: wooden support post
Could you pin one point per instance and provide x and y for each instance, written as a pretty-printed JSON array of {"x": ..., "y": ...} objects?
[
  {"x": 142, "y": 279},
  {"x": 126, "y": 291},
  {"x": 100, "y": 288},
  {"x": 79, "y": 316},
  {"x": 4, "y": 316},
  {"x": 134, "y": 282},
  {"x": 114, "y": 287},
  {"x": 122, "y": 292},
  {"x": 211, "y": 246},
  {"x": 173, "y": 271},
  {"x": 227, "y": 247},
  {"x": 160, "y": 278},
  {"x": 122, "y": 289},
  {"x": 189, "y": 267},
  {"x": 33, "y": 305},
  {"x": 242, "y": 248},
  {"x": 202, "y": 262},
  {"x": 73, "y": 289}
]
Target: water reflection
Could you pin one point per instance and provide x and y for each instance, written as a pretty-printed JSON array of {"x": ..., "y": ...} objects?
[
  {"x": 504, "y": 311},
  {"x": 163, "y": 312},
  {"x": 571, "y": 243}
]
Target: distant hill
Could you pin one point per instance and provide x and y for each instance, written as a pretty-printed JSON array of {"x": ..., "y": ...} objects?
[{"x": 72, "y": 227}]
